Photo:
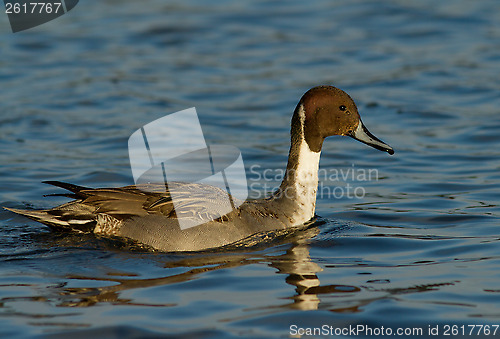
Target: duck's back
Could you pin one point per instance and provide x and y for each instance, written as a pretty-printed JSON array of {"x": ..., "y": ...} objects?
[{"x": 146, "y": 214}]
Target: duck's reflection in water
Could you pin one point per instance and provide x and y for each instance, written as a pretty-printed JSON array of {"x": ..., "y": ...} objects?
[{"x": 287, "y": 252}]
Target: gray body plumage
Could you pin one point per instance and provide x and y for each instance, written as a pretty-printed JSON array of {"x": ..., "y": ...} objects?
[{"x": 147, "y": 215}]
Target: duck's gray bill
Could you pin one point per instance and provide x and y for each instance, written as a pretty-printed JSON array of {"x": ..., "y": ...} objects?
[{"x": 363, "y": 134}]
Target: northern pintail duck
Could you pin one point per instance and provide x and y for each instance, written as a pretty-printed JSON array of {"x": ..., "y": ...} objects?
[{"x": 148, "y": 216}]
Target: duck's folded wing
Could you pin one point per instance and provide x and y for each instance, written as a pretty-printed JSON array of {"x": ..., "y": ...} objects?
[{"x": 201, "y": 202}]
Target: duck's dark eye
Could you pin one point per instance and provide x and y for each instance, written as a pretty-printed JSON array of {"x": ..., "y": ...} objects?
[{"x": 342, "y": 107}]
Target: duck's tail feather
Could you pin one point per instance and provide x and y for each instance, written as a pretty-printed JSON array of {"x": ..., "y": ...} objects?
[
  {"x": 60, "y": 219},
  {"x": 67, "y": 195},
  {"x": 77, "y": 190}
]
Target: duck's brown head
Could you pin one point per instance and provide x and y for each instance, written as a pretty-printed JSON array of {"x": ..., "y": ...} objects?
[{"x": 324, "y": 111}]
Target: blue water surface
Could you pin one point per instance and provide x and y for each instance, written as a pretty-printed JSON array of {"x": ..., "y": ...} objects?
[{"x": 418, "y": 248}]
